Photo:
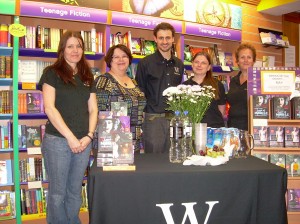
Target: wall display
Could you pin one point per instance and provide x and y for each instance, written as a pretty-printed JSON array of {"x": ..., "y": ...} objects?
[{"x": 97, "y": 4}]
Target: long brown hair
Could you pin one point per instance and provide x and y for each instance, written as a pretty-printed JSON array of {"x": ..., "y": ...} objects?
[
  {"x": 208, "y": 80},
  {"x": 63, "y": 69}
]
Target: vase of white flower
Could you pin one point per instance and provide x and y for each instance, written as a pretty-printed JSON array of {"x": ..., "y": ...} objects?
[{"x": 194, "y": 99}]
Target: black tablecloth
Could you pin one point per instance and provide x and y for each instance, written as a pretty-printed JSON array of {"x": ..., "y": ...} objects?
[{"x": 242, "y": 191}]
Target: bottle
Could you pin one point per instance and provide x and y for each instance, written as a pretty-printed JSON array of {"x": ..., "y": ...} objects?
[
  {"x": 176, "y": 153},
  {"x": 187, "y": 140}
]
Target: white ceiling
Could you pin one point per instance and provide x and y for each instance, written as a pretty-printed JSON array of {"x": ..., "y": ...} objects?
[{"x": 284, "y": 9}]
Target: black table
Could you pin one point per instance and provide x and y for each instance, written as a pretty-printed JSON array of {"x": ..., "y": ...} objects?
[{"x": 242, "y": 191}]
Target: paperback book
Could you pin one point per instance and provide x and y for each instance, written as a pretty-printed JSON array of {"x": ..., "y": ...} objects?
[
  {"x": 292, "y": 165},
  {"x": 261, "y": 136},
  {"x": 261, "y": 107},
  {"x": 278, "y": 159},
  {"x": 293, "y": 199},
  {"x": 281, "y": 108},
  {"x": 276, "y": 137},
  {"x": 291, "y": 137}
]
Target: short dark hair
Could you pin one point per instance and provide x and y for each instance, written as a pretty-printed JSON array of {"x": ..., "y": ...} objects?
[
  {"x": 164, "y": 26},
  {"x": 109, "y": 55},
  {"x": 245, "y": 46}
]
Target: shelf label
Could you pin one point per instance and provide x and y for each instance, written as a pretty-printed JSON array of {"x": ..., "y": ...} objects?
[
  {"x": 139, "y": 21},
  {"x": 34, "y": 184},
  {"x": 34, "y": 151},
  {"x": 226, "y": 68},
  {"x": 212, "y": 31},
  {"x": 28, "y": 85},
  {"x": 48, "y": 10}
]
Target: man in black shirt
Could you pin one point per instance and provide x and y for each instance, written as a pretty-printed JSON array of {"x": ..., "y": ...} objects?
[{"x": 155, "y": 73}]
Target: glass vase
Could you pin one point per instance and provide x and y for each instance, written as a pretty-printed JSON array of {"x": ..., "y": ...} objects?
[{"x": 199, "y": 138}]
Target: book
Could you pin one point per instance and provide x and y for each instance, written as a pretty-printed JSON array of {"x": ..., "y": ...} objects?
[
  {"x": 216, "y": 53},
  {"x": 263, "y": 156},
  {"x": 293, "y": 199},
  {"x": 5, "y": 172},
  {"x": 119, "y": 108},
  {"x": 291, "y": 137},
  {"x": 292, "y": 164},
  {"x": 136, "y": 46},
  {"x": 261, "y": 136},
  {"x": 228, "y": 59},
  {"x": 276, "y": 137},
  {"x": 295, "y": 104},
  {"x": 5, "y": 205},
  {"x": 278, "y": 159},
  {"x": 260, "y": 107},
  {"x": 34, "y": 102},
  {"x": 33, "y": 137},
  {"x": 281, "y": 108},
  {"x": 149, "y": 47}
]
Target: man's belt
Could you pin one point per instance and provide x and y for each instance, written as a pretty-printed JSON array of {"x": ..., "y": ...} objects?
[{"x": 152, "y": 116}]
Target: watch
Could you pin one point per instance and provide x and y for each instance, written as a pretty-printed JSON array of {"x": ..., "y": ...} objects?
[{"x": 213, "y": 13}]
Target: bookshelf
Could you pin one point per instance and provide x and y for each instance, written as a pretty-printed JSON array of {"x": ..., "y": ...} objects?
[{"x": 257, "y": 88}]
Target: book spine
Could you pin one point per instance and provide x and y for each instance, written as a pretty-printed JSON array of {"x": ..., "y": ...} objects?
[{"x": 3, "y": 35}]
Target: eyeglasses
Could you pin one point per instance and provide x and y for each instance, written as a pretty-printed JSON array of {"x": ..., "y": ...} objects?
[{"x": 118, "y": 58}]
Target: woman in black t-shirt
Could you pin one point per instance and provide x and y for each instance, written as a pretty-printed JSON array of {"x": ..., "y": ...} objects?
[
  {"x": 201, "y": 65},
  {"x": 237, "y": 95}
]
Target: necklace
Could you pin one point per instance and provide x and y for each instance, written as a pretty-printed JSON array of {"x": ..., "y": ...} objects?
[{"x": 120, "y": 79}]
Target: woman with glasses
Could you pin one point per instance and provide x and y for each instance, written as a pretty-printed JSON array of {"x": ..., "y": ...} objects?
[{"x": 116, "y": 86}]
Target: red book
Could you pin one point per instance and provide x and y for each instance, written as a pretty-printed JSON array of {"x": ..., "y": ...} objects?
[{"x": 3, "y": 35}]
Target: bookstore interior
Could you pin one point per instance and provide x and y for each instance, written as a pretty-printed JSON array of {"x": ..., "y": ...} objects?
[{"x": 30, "y": 32}]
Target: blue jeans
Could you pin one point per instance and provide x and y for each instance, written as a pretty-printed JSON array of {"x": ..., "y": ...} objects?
[{"x": 65, "y": 171}]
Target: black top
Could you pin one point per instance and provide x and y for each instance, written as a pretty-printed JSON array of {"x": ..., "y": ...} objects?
[
  {"x": 213, "y": 116},
  {"x": 154, "y": 75},
  {"x": 71, "y": 101},
  {"x": 237, "y": 99}
]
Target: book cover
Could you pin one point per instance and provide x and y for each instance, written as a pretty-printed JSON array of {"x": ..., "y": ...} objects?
[
  {"x": 295, "y": 104},
  {"x": 260, "y": 107},
  {"x": 136, "y": 46},
  {"x": 34, "y": 102},
  {"x": 263, "y": 156},
  {"x": 228, "y": 59},
  {"x": 276, "y": 137},
  {"x": 5, "y": 205},
  {"x": 149, "y": 47},
  {"x": 187, "y": 54},
  {"x": 5, "y": 172},
  {"x": 33, "y": 137},
  {"x": 119, "y": 108},
  {"x": 291, "y": 137},
  {"x": 261, "y": 136},
  {"x": 293, "y": 199},
  {"x": 278, "y": 159},
  {"x": 281, "y": 108},
  {"x": 292, "y": 165}
]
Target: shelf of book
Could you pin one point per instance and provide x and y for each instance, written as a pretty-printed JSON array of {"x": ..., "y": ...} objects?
[
  {"x": 6, "y": 51},
  {"x": 5, "y": 81},
  {"x": 5, "y": 116},
  {"x": 6, "y": 150},
  {"x": 32, "y": 116}
]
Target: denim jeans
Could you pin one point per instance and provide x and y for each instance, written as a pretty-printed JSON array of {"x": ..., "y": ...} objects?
[{"x": 65, "y": 171}]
